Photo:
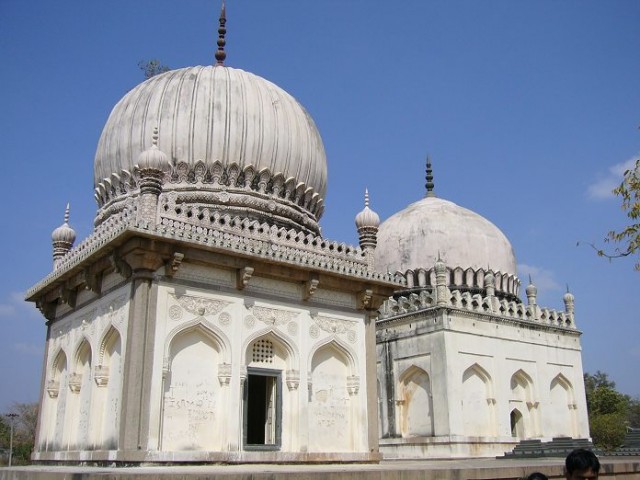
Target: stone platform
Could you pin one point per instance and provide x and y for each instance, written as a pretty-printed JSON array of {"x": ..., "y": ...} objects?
[{"x": 484, "y": 468}]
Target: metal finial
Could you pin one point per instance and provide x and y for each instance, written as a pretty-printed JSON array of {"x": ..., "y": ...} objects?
[
  {"x": 530, "y": 282},
  {"x": 155, "y": 136},
  {"x": 568, "y": 288},
  {"x": 66, "y": 214},
  {"x": 220, "y": 53},
  {"x": 429, "y": 184},
  {"x": 366, "y": 197}
]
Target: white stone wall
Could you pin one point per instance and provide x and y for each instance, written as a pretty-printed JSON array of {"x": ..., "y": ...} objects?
[
  {"x": 83, "y": 378},
  {"x": 204, "y": 346},
  {"x": 470, "y": 374}
]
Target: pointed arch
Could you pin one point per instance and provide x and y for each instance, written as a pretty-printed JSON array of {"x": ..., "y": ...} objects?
[
  {"x": 517, "y": 423},
  {"x": 192, "y": 405},
  {"x": 105, "y": 418},
  {"x": 293, "y": 357},
  {"x": 415, "y": 403},
  {"x": 477, "y": 402},
  {"x": 330, "y": 405},
  {"x": 54, "y": 402},
  {"x": 349, "y": 354},
  {"x": 208, "y": 329},
  {"x": 522, "y": 402},
  {"x": 110, "y": 335},
  {"x": 79, "y": 400},
  {"x": 60, "y": 358},
  {"x": 562, "y": 407}
]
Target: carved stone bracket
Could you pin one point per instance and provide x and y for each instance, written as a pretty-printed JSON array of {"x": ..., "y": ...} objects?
[
  {"x": 101, "y": 375},
  {"x": 532, "y": 405},
  {"x": 293, "y": 379},
  {"x": 311, "y": 286},
  {"x": 48, "y": 309},
  {"x": 68, "y": 296},
  {"x": 243, "y": 276},
  {"x": 120, "y": 266},
  {"x": 172, "y": 266},
  {"x": 75, "y": 382},
  {"x": 92, "y": 280},
  {"x": 491, "y": 401},
  {"x": 53, "y": 388},
  {"x": 365, "y": 299},
  {"x": 353, "y": 384},
  {"x": 224, "y": 374},
  {"x": 165, "y": 369}
]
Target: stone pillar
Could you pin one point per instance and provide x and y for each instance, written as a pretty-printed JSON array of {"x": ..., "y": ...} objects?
[
  {"x": 442, "y": 292},
  {"x": 138, "y": 359},
  {"x": 372, "y": 381}
]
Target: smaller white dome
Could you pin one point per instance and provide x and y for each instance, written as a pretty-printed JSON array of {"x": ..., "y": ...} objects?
[
  {"x": 414, "y": 238},
  {"x": 153, "y": 158}
]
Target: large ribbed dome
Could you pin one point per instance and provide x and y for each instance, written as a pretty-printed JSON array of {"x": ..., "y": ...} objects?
[
  {"x": 414, "y": 237},
  {"x": 217, "y": 123}
]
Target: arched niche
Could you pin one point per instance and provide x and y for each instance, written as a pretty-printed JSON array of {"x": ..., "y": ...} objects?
[
  {"x": 330, "y": 404},
  {"x": 79, "y": 397},
  {"x": 522, "y": 401},
  {"x": 107, "y": 391},
  {"x": 478, "y": 402},
  {"x": 55, "y": 401},
  {"x": 415, "y": 403},
  {"x": 562, "y": 407},
  {"x": 192, "y": 407}
]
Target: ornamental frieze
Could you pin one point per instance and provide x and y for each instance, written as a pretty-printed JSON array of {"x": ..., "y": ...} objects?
[
  {"x": 271, "y": 316},
  {"x": 336, "y": 327},
  {"x": 200, "y": 306}
]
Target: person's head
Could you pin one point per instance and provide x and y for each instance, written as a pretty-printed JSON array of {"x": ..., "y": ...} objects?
[
  {"x": 537, "y": 476},
  {"x": 581, "y": 464}
]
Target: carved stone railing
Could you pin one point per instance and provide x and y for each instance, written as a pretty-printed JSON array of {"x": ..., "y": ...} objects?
[
  {"x": 415, "y": 302},
  {"x": 506, "y": 285}
]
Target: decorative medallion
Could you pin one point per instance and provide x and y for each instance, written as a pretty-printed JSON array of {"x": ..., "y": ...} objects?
[
  {"x": 292, "y": 328},
  {"x": 224, "y": 319},
  {"x": 351, "y": 336},
  {"x": 175, "y": 312}
]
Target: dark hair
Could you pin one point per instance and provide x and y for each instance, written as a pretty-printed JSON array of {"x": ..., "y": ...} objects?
[
  {"x": 582, "y": 459},
  {"x": 537, "y": 476}
]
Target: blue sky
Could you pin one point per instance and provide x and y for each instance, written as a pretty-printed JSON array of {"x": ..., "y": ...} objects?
[{"x": 529, "y": 111}]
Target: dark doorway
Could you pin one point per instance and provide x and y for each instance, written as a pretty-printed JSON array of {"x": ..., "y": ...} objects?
[{"x": 262, "y": 414}]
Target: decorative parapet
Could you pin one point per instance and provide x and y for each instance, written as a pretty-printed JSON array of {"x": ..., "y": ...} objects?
[
  {"x": 221, "y": 186},
  {"x": 464, "y": 300},
  {"x": 505, "y": 285}
]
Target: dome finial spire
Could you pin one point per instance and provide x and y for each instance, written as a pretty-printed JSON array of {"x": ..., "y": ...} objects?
[
  {"x": 366, "y": 197},
  {"x": 66, "y": 215},
  {"x": 429, "y": 184},
  {"x": 222, "y": 30}
]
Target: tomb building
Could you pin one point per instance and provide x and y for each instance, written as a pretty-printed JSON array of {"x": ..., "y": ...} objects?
[{"x": 206, "y": 319}]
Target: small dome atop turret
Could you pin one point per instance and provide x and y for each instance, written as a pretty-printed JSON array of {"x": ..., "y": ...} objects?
[
  {"x": 64, "y": 233},
  {"x": 367, "y": 217}
]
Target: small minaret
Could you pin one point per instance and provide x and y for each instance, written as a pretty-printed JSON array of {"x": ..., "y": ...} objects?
[
  {"x": 442, "y": 293},
  {"x": 152, "y": 165},
  {"x": 532, "y": 293},
  {"x": 569, "y": 304},
  {"x": 490, "y": 288},
  {"x": 62, "y": 239},
  {"x": 367, "y": 223}
]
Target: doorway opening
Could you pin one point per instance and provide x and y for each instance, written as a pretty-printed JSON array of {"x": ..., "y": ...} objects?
[
  {"x": 262, "y": 409},
  {"x": 517, "y": 424}
]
